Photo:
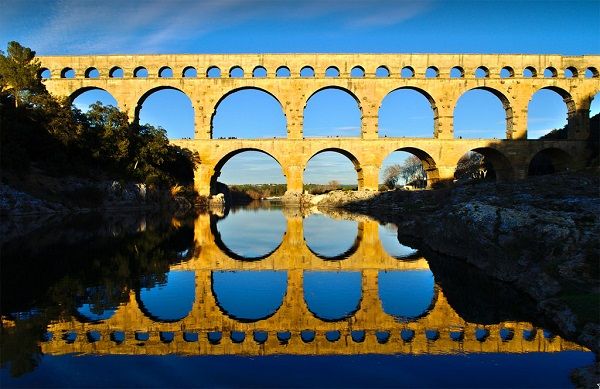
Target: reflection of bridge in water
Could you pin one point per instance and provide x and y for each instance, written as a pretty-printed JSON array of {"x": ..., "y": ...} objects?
[{"x": 292, "y": 328}]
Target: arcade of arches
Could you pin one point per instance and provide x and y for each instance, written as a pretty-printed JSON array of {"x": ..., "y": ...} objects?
[
  {"x": 509, "y": 78},
  {"x": 213, "y": 318}
]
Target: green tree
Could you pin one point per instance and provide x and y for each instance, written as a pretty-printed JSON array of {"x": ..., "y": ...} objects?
[
  {"x": 19, "y": 73},
  {"x": 108, "y": 134},
  {"x": 50, "y": 133},
  {"x": 152, "y": 153}
]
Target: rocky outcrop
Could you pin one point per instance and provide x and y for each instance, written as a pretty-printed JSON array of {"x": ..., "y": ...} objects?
[
  {"x": 335, "y": 198},
  {"x": 13, "y": 201},
  {"x": 64, "y": 195}
]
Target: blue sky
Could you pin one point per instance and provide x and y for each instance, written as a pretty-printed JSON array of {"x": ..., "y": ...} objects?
[{"x": 251, "y": 26}]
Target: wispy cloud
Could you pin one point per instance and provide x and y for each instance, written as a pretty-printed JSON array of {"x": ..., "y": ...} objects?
[
  {"x": 392, "y": 12},
  {"x": 78, "y": 26}
]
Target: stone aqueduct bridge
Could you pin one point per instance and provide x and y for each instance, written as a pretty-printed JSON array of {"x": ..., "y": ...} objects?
[
  {"x": 209, "y": 329},
  {"x": 361, "y": 76}
]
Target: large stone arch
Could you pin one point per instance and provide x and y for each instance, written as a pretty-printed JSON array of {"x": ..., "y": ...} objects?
[
  {"x": 337, "y": 87},
  {"x": 572, "y": 119},
  {"x": 503, "y": 100},
  {"x": 400, "y": 287},
  {"x": 223, "y": 160},
  {"x": 352, "y": 306},
  {"x": 235, "y": 90},
  {"x": 344, "y": 152},
  {"x": 78, "y": 92},
  {"x": 429, "y": 164},
  {"x": 502, "y": 165},
  {"x": 152, "y": 315},
  {"x": 357, "y": 164},
  {"x": 229, "y": 252},
  {"x": 340, "y": 256},
  {"x": 555, "y": 92},
  {"x": 149, "y": 92},
  {"x": 313, "y": 92},
  {"x": 268, "y": 311},
  {"x": 94, "y": 304},
  {"x": 425, "y": 94},
  {"x": 549, "y": 160},
  {"x": 388, "y": 242},
  {"x": 566, "y": 96}
]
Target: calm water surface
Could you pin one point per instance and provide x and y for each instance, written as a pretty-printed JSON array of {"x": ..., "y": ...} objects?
[{"x": 261, "y": 297}]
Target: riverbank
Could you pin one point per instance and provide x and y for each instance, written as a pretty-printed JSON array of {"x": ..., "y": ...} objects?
[
  {"x": 539, "y": 235},
  {"x": 40, "y": 194},
  {"x": 542, "y": 236},
  {"x": 37, "y": 200}
]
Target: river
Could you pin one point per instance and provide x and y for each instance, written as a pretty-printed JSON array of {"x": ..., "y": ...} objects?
[{"x": 261, "y": 297}]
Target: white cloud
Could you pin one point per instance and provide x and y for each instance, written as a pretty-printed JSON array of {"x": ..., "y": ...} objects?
[{"x": 391, "y": 13}]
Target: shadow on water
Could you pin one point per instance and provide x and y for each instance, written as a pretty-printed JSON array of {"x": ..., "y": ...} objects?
[
  {"x": 86, "y": 261},
  {"x": 475, "y": 296}
]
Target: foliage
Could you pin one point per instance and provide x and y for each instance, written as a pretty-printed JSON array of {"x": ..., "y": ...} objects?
[
  {"x": 593, "y": 140},
  {"x": 262, "y": 191},
  {"x": 391, "y": 174},
  {"x": 259, "y": 191},
  {"x": 593, "y": 143},
  {"x": 117, "y": 260},
  {"x": 473, "y": 166},
  {"x": 411, "y": 171},
  {"x": 19, "y": 73},
  {"x": 37, "y": 128}
]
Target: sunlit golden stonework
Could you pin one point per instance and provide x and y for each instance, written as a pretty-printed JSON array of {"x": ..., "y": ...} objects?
[
  {"x": 368, "y": 78},
  {"x": 293, "y": 329}
]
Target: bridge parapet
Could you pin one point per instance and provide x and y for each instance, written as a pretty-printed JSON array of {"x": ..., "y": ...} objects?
[
  {"x": 517, "y": 65},
  {"x": 522, "y": 338}
]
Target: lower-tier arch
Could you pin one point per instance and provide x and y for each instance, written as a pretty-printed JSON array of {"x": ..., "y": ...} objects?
[
  {"x": 355, "y": 162},
  {"x": 231, "y": 252},
  {"x": 216, "y": 171},
  {"x": 170, "y": 301},
  {"x": 429, "y": 164},
  {"x": 548, "y": 161},
  {"x": 501, "y": 166},
  {"x": 249, "y": 295}
]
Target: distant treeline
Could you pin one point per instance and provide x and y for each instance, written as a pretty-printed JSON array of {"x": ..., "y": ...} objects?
[
  {"x": 325, "y": 188},
  {"x": 241, "y": 193},
  {"x": 258, "y": 191}
]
